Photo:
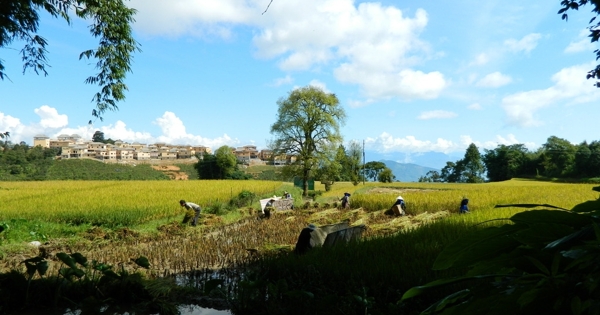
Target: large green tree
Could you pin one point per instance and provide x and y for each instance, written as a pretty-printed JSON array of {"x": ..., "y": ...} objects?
[
  {"x": 505, "y": 161},
  {"x": 111, "y": 22},
  {"x": 226, "y": 161},
  {"x": 372, "y": 169},
  {"x": 473, "y": 165},
  {"x": 558, "y": 157},
  {"x": 307, "y": 125}
]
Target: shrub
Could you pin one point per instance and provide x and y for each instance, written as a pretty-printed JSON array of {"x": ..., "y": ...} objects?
[{"x": 243, "y": 199}]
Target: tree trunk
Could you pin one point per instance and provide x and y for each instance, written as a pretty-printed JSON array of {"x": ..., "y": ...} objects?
[{"x": 305, "y": 182}]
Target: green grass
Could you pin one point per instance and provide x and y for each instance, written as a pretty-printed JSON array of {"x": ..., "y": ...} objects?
[{"x": 84, "y": 169}]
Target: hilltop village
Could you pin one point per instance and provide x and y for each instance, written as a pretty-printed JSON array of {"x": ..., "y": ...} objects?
[{"x": 74, "y": 147}]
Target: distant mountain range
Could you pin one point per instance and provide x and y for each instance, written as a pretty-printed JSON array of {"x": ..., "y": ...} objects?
[
  {"x": 408, "y": 167},
  {"x": 436, "y": 160},
  {"x": 407, "y": 172}
]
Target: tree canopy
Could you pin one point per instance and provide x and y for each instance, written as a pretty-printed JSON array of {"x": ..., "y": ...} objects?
[
  {"x": 594, "y": 28},
  {"x": 307, "y": 127},
  {"x": 111, "y": 24}
]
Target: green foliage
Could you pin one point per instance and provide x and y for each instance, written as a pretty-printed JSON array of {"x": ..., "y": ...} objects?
[
  {"x": 243, "y": 199},
  {"x": 22, "y": 162},
  {"x": 593, "y": 28},
  {"x": 307, "y": 126},
  {"x": 83, "y": 169},
  {"x": 372, "y": 169},
  {"x": 111, "y": 23},
  {"x": 226, "y": 161},
  {"x": 221, "y": 165},
  {"x": 542, "y": 261},
  {"x": 82, "y": 284},
  {"x": 386, "y": 176}
]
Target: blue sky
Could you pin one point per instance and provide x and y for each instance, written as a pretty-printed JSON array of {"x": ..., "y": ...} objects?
[{"x": 413, "y": 76}]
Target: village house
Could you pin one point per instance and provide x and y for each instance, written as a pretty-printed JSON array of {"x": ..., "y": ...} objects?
[{"x": 73, "y": 147}]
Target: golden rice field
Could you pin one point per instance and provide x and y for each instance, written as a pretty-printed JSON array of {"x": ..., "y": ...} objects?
[
  {"x": 175, "y": 248},
  {"x": 114, "y": 202}
]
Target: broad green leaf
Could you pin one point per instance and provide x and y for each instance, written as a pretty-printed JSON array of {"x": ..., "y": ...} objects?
[
  {"x": 42, "y": 267},
  {"x": 80, "y": 259},
  {"x": 477, "y": 245},
  {"x": 298, "y": 294},
  {"x": 111, "y": 274},
  {"x": 539, "y": 235},
  {"x": 528, "y": 205},
  {"x": 575, "y": 237},
  {"x": 587, "y": 206},
  {"x": 572, "y": 219},
  {"x": 66, "y": 259},
  {"x": 449, "y": 300},
  {"x": 414, "y": 291},
  {"x": 142, "y": 262},
  {"x": 528, "y": 297},
  {"x": 538, "y": 264},
  {"x": 36, "y": 259},
  {"x": 31, "y": 269},
  {"x": 576, "y": 305}
]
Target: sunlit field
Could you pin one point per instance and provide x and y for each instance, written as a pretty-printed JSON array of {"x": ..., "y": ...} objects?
[
  {"x": 114, "y": 203},
  {"x": 118, "y": 220}
]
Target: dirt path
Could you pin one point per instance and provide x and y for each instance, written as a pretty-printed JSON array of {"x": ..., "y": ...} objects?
[{"x": 171, "y": 171}]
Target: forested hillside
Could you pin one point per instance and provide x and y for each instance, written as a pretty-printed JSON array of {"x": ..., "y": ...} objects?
[{"x": 81, "y": 169}]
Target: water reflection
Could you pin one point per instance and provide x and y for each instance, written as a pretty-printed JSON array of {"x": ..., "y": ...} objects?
[
  {"x": 197, "y": 310},
  {"x": 190, "y": 309}
]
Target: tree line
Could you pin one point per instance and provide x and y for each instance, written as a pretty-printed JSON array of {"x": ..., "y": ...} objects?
[{"x": 557, "y": 158}]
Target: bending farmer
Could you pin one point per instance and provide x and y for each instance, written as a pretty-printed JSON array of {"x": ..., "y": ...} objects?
[{"x": 190, "y": 206}]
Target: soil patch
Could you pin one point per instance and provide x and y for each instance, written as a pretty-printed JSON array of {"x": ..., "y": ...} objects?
[{"x": 171, "y": 171}]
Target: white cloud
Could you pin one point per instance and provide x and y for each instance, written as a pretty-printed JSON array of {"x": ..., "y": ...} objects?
[
  {"x": 582, "y": 44},
  {"x": 359, "y": 103},
  {"x": 283, "y": 81},
  {"x": 365, "y": 42},
  {"x": 475, "y": 106},
  {"x": 173, "y": 131},
  {"x": 406, "y": 84},
  {"x": 480, "y": 60},
  {"x": 437, "y": 114},
  {"x": 494, "y": 80},
  {"x": 386, "y": 143},
  {"x": 409, "y": 144},
  {"x": 50, "y": 117},
  {"x": 526, "y": 44},
  {"x": 13, "y": 126},
  {"x": 570, "y": 87}
]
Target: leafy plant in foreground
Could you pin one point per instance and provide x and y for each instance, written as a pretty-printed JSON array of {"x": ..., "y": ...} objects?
[{"x": 542, "y": 261}]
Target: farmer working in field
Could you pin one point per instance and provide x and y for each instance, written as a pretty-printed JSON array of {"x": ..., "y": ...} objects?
[
  {"x": 190, "y": 206},
  {"x": 346, "y": 201}
]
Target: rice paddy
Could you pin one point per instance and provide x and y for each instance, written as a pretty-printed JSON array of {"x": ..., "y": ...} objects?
[{"x": 113, "y": 222}]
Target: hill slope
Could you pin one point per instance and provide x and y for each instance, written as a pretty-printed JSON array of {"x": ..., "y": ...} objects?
[
  {"x": 83, "y": 169},
  {"x": 407, "y": 172}
]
